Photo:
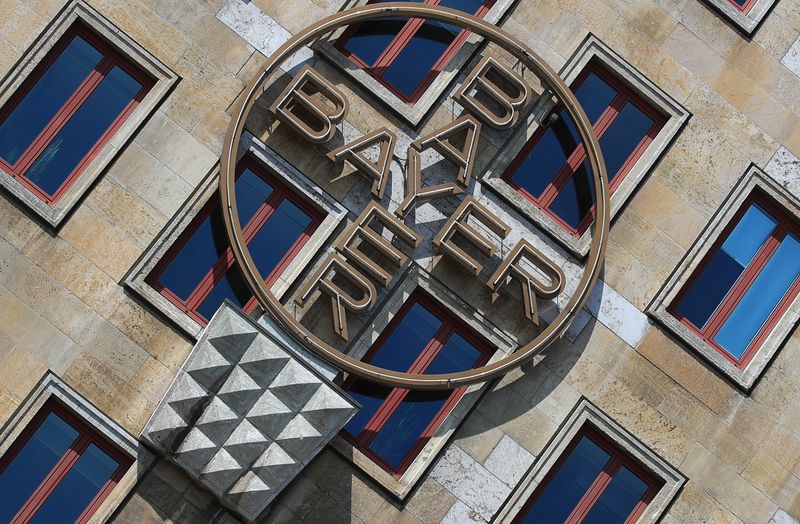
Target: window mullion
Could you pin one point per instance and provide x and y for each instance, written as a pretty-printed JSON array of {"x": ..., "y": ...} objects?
[
  {"x": 595, "y": 490},
  {"x": 52, "y": 480},
  {"x": 62, "y": 116}
]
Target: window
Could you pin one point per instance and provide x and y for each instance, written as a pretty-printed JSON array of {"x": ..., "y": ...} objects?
[
  {"x": 593, "y": 470},
  {"x": 59, "y": 469},
  {"x": 594, "y": 481},
  {"x": 394, "y": 424},
  {"x": 746, "y": 15},
  {"x": 406, "y": 55},
  {"x": 66, "y": 110},
  {"x": 742, "y": 5},
  {"x": 199, "y": 271},
  {"x": 552, "y": 170},
  {"x": 746, "y": 281}
]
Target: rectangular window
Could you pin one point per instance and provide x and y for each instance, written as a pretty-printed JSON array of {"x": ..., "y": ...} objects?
[
  {"x": 745, "y": 283},
  {"x": 394, "y": 424},
  {"x": 552, "y": 171},
  {"x": 406, "y": 55},
  {"x": 66, "y": 111},
  {"x": 199, "y": 271},
  {"x": 594, "y": 481},
  {"x": 59, "y": 469},
  {"x": 742, "y": 5}
]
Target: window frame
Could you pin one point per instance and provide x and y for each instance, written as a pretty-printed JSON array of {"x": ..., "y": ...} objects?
[
  {"x": 30, "y": 66},
  {"x": 399, "y": 43},
  {"x": 333, "y": 213},
  {"x": 417, "y": 279},
  {"x": 624, "y": 95},
  {"x": 748, "y": 18},
  {"x": 450, "y": 325},
  {"x": 87, "y": 435},
  {"x": 52, "y": 390},
  {"x": 591, "y": 51},
  {"x": 111, "y": 58},
  {"x": 785, "y": 226},
  {"x": 435, "y": 85},
  {"x": 585, "y": 418},
  {"x": 755, "y": 183},
  {"x": 280, "y": 192},
  {"x": 617, "y": 459}
]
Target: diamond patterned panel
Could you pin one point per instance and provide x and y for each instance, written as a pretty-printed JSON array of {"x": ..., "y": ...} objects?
[{"x": 246, "y": 413}]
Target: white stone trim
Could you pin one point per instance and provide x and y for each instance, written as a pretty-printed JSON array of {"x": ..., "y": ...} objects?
[
  {"x": 753, "y": 179},
  {"x": 415, "y": 278},
  {"x": 303, "y": 186},
  {"x": 591, "y": 49},
  {"x": 79, "y": 11},
  {"x": 52, "y": 386},
  {"x": 586, "y": 413},
  {"x": 746, "y": 22},
  {"x": 411, "y": 114}
]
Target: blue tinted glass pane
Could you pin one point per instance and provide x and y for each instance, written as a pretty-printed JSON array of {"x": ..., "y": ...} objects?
[
  {"x": 418, "y": 57},
  {"x": 623, "y": 136},
  {"x": 541, "y": 165},
  {"x": 277, "y": 236},
  {"x": 562, "y": 494},
  {"x": 761, "y": 299},
  {"x": 372, "y": 38},
  {"x": 231, "y": 285},
  {"x": 32, "y": 464},
  {"x": 406, "y": 425},
  {"x": 468, "y": 6},
  {"x": 618, "y": 499},
  {"x": 251, "y": 193},
  {"x": 74, "y": 493},
  {"x": 209, "y": 241},
  {"x": 63, "y": 154},
  {"x": 408, "y": 339},
  {"x": 576, "y": 198},
  {"x": 46, "y": 98},
  {"x": 594, "y": 95},
  {"x": 370, "y": 396},
  {"x": 418, "y": 408},
  {"x": 717, "y": 278}
]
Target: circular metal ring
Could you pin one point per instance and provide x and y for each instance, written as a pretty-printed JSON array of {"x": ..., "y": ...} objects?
[{"x": 533, "y": 62}]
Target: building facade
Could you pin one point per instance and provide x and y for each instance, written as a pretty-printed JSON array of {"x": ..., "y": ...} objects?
[{"x": 140, "y": 380}]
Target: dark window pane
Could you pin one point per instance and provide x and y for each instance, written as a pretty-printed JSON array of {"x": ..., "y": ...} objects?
[
  {"x": 82, "y": 132},
  {"x": 406, "y": 425},
  {"x": 570, "y": 483},
  {"x": 209, "y": 241},
  {"x": 618, "y": 500},
  {"x": 46, "y": 98},
  {"x": 576, "y": 197},
  {"x": 408, "y": 339},
  {"x": 623, "y": 136},
  {"x": 717, "y": 278},
  {"x": 74, "y": 493},
  {"x": 232, "y": 286},
  {"x": 418, "y": 57},
  {"x": 372, "y": 38},
  {"x": 32, "y": 464},
  {"x": 468, "y": 6},
  {"x": 370, "y": 396},
  {"x": 415, "y": 413},
  {"x": 594, "y": 95},
  {"x": 760, "y": 300},
  {"x": 273, "y": 241},
  {"x": 541, "y": 165}
]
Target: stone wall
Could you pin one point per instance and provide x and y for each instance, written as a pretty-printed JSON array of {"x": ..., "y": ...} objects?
[{"x": 62, "y": 306}]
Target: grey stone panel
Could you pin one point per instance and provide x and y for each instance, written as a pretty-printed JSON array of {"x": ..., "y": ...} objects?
[{"x": 246, "y": 413}]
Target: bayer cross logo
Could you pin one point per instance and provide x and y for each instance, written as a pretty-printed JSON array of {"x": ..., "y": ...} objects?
[{"x": 492, "y": 95}]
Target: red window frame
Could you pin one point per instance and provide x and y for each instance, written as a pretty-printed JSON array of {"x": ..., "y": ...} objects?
[
  {"x": 743, "y": 8},
  {"x": 399, "y": 43},
  {"x": 618, "y": 458},
  {"x": 624, "y": 95},
  {"x": 786, "y": 225},
  {"x": 224, "y": 263},
  {"x": 449, "y": 326},
  {"x": 87, "y": 435},
  {"x": 111, "y": 58}
]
